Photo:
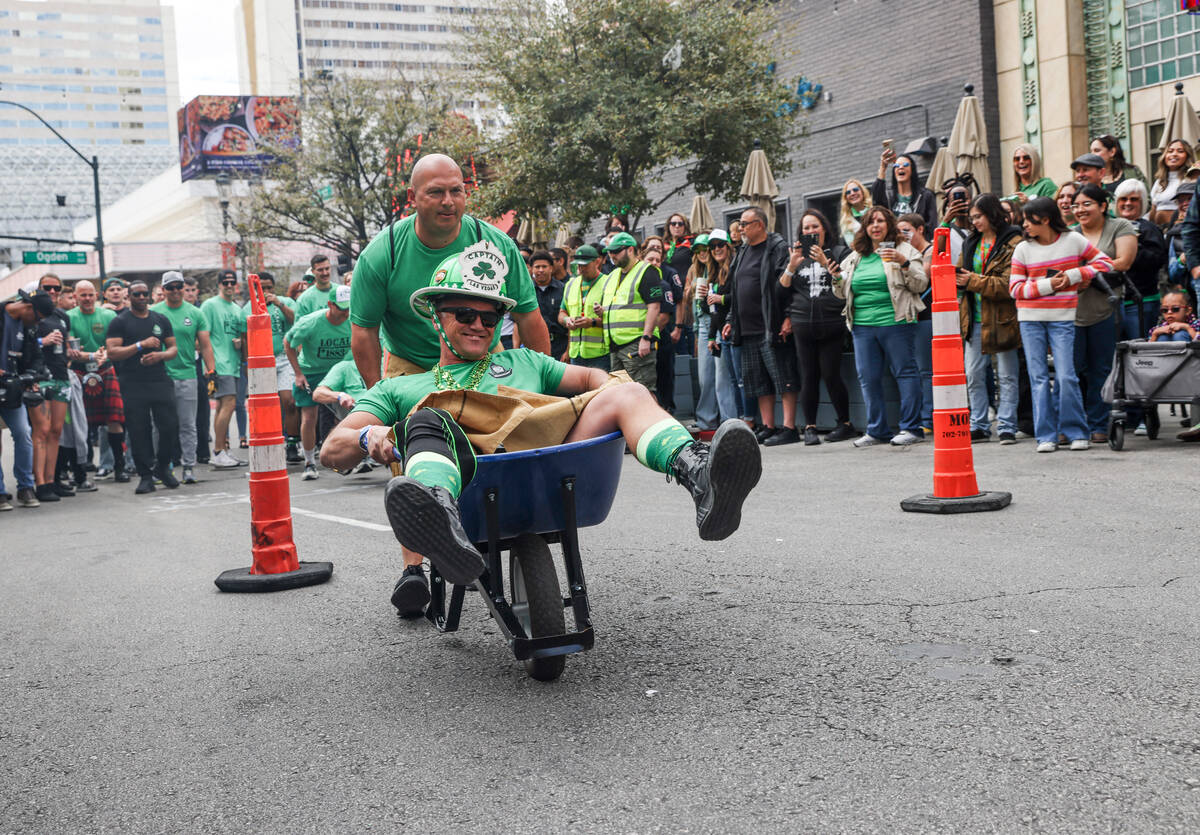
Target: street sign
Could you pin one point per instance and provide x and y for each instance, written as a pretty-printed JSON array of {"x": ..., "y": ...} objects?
[
  {"x": 51, "y": 257},
  {"x": 325, "y": 193}
]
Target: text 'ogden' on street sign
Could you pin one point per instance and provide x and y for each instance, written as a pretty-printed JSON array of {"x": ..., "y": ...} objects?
[{"x": 44, "y": 257}]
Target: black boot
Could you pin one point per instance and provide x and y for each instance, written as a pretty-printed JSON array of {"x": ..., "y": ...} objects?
[
  {"x": 720, "y": 475},
  {"x": 425, "y": 520},
  {"x": 411, "y": 594},
  {"x": 116, "y": 442}
]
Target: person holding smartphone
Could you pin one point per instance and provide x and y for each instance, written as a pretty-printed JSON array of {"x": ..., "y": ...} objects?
[
  {"x": 1049, "y": 268},
  {"x": 882, "y": 281},
  {"x": 899, "y": 187},
  {"x": 818, "y": 327}
]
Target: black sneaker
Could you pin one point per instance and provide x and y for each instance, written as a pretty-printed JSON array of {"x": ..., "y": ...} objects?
[
  {"x": 45, "y": 493},
  {"x": 811, "y": 438},
  {"x": 411, "y": 594},
  {"x": 1007, "y": 438},
  {"x": 167, "y": 477},
  {"x": 761, "y": 433},
  {"x": 979, "y": 436},
  {"x": 719, "y": 476},
  {"x": 146, "y": 485},
  {"x": 786, "y": 435},
  {"x": 425, "y": 520},
  {"x": 842, "y": 432},
  {"x": 292, "y": 454},
  {"x": 85, "y": 486},
  {"x": 63, "y": 489},
  {"x": 122, "y": 477}
]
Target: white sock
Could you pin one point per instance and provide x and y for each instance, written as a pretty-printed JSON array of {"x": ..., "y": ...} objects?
[{"x": 308, "y": 457}]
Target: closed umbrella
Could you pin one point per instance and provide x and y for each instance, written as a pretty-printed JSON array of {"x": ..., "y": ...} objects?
[
  {"x": 968, "y": 141},
  {"x": 562, "y": 235},
  {"x": 758, "y": 184},
  {"x": 941, "y": 170},
  {"x": 531, "y": 231},
  {"x": 1182, "y": 122},
  {"x": 701, "y": 218}
]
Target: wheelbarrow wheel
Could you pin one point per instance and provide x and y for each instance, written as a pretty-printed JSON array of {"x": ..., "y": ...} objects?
[
  {"x": 536, "y": 600},
  {"x": 1116, "y": 435}
]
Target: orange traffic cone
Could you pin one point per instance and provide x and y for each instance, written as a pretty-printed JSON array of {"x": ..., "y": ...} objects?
[
  {"x": 954, "y": 487},
  {"x": 275, "y": 565}
]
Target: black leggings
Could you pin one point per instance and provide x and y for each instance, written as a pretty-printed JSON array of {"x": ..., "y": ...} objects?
[{"x": 819, "y": 355}]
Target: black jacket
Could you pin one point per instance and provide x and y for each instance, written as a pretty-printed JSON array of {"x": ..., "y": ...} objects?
[
  {"x": 29, "y": 358},
  {"x": 1190, "y": 232},
  {"x": 824, "y": 307},
  {"x": 1150, "y": 259},
  {"x": 924, "y": 205},
  {"x": 774, "y": 262}
]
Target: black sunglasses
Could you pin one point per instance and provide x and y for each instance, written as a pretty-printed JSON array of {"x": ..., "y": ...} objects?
[
  {"x": 229, "y": 283},
  {"x": 137, "y": 294},
  {"x": 1171, "y": 309},
  {"x": 52, "y": 288},
  {"x": 716, "y": 244},
  {"x": 468, "y": 315}
]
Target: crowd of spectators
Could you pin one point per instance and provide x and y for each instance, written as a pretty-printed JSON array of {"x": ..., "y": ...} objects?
[{"x": 142, "y": 378}]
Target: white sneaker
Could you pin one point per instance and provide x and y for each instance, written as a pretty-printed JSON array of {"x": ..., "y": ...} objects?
[
  {"x": 866, "y": 440},
  {"x": 1080, "y": 444},
  {"x": 1047, "y": 446},
  {"x": 1141, "y": 430},
  {"x": 310, "y": 473},
  {"x": 906, "y": 438},
  {"x": 224, "y": 461},
  {"x": 364, "y": 466}
]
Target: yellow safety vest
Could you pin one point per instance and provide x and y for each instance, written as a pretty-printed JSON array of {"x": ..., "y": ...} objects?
[
  {"x": 624, "y": 310},
  {"x": 585, "y": 343}
]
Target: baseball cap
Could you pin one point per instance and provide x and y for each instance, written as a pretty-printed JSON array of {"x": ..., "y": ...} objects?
[
  {"x": 1186, "y": 187},
  {"x": 341, "y": 296},
  {"x": 109, "y": 282},
  {"x": 620, "y": 241},
  {"x": 1089, "y": 160},
  {"x": 718, "y": 235},
  {"x": 224, "y": 274},
  {"x": 700, "y": 240},
  {"x": 585, "y": 254},
  {"x": 43, "y": 305},
  {"x": 171, "y": 278},
  {"x": 477, "y": 272}
]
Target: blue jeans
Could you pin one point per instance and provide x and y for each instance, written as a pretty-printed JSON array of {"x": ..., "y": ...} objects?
[
  {"x": 1053, "y": 414},
  {"x": 708, "y": 412},
  {"x": 925, "y": 363},
  {"x": 1129, "y": 319},
  {"x": 602, "y": 362},
  {"x": 1094, "y": 348},
  {"x": 17, "y": 421},
  {"x": 895, "y": 345},
  {"x": 728, "y": 376},
  {"x": 1008, "y": 365}
]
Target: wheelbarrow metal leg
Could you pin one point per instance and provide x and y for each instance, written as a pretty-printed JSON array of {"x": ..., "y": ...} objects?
[
  {"x": 437, "y": 613},
  {"x": 572, "y": 559}
]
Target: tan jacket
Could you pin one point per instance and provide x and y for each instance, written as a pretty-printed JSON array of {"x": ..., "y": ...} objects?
[{"x": 905, "y": 286}]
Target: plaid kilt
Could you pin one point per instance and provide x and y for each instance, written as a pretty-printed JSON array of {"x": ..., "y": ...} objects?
[
  {"x": 767, "y": 369},
  {"x": 103, "y": 403}
]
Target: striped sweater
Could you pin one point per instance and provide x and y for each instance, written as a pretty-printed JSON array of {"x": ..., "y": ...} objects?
[{"x": 1072, "y": 255}]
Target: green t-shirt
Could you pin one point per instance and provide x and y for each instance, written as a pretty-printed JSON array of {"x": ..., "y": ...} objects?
[
  {"x": 89, "y": 328},
  {"x": 381, "y": 293},
  {"x": 279, "y": 323},
  {"x": 391, "y": 400},
  {"x": 226, "y": 321},
  {"x": 321, "y": 344},
  {"x": 344, "y": 377},
  {"x": 872, "y": 301},
  {"x": 187, "y": 321},
  {"x": 314, "y": 298},
  {"x": 1043, "y": 187}
]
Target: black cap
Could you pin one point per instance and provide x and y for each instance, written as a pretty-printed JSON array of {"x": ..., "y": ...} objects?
[
  {"x": 1186, "y": 187},
  {"x": 43, "y": 305}
]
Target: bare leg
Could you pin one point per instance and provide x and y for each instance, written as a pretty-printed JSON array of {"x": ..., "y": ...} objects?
[
  {"x": 766, "y": 410},
  {"x": 39, "y": 424},
  {"x": 308, "y": 428},
  {"x": 291, "y": 416},
  {"x": 631, "y": 408},
  {"x": 789, "y": 409},
  {"x": 58, "y": 414},
  {"x": 221, "y": 422},
  {"x": 411, "y": 558}
]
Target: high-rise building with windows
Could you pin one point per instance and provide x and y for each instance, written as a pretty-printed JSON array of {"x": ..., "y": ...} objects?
[
  {"x": 282, "y": 42},
  {"x": 102, "y": 73}
]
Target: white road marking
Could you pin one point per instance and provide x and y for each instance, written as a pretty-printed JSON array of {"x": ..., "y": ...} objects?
[
  {"x": 204, "y": 500},
  {"x": 371, "y": 526}
]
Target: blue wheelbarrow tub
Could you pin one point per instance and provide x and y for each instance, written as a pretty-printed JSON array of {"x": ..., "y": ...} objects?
[{"x": 530, "y": 487}]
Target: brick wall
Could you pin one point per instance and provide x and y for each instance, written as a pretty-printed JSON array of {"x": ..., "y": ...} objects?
[{"x": 873, "y": 56}]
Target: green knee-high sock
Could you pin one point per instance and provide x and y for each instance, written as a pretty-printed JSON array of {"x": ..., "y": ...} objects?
[
  {"x": 659, "y": 444},
  {"x": 434, "y": 470}
]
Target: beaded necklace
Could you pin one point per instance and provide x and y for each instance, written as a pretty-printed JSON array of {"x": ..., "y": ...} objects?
[{"x": 445, "y": 381}]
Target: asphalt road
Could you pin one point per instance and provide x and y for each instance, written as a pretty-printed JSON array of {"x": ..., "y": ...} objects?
[{"x": 837, "y": 665}]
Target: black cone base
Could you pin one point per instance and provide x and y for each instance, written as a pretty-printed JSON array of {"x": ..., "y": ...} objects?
[
  {"x": 966, "y": 504},
  {"x": 241, "y": 580}
]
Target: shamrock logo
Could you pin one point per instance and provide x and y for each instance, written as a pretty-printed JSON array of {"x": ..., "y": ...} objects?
[{"x": 484, "y": 271}]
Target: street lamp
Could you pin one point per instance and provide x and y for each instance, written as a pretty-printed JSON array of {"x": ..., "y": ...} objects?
[
  {"x": 224, "y": 190},
  {"x": 94, "y": 163}
]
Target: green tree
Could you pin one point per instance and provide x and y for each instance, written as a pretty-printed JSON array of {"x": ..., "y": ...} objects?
[
  {"x": 602, "y": 95},
  {"x": 348, "y": 177}
]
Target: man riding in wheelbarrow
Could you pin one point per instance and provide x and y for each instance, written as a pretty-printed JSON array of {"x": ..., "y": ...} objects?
[{"x": 500, "y": 398}]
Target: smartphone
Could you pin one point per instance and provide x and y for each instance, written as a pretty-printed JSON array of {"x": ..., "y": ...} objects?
[
  {"x": 807, "y": 242},
  {"x": 888, "y": 146}
]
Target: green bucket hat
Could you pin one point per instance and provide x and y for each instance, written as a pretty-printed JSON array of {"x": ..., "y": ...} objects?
[{"x": 478, "y": 272}]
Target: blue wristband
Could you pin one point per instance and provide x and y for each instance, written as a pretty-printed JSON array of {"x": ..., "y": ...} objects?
[{"x": 362, "y": 438}]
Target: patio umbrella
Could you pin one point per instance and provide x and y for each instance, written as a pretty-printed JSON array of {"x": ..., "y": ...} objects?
[
  {"x": 561, "y": 236},
  {"x": 701, "y": 218},
  {"x": 968, "y": 141},
  {"x": 758, "y": 184},
  {"x": 941, "y": 170},
  {"x": 531, "y": 231},
  {"x": 1182, "y": 122}
]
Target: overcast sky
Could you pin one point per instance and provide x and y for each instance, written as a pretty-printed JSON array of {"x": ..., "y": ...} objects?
[{"x": 205, "y": 42}]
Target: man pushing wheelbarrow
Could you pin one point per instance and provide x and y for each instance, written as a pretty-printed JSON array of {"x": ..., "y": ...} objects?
[{"x": 520, "y": 399}]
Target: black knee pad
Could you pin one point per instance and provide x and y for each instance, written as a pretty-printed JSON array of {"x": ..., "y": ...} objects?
[{"x": 433, "y": 430}]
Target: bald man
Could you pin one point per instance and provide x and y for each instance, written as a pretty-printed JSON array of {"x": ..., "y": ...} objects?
[{"x": 402, "y": 258}]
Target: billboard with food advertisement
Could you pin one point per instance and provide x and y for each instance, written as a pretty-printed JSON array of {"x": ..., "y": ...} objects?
[{"x": 234, "y": 133}]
